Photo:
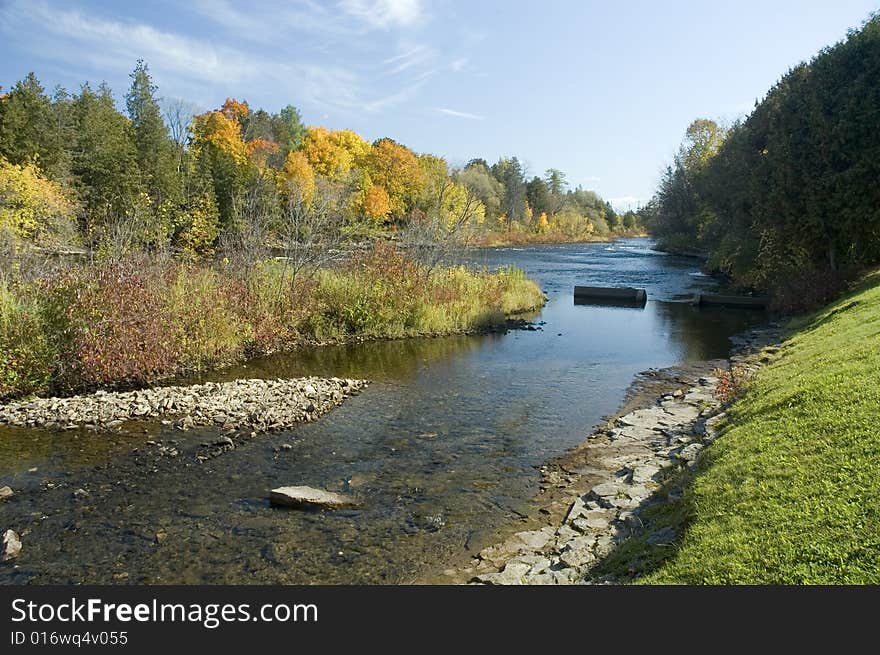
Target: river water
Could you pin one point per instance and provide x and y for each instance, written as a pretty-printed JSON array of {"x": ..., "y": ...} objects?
[{"x": 442, "y": 448}]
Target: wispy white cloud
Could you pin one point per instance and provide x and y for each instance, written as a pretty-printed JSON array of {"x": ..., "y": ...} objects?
[
  {"x": 111, "y": 44},
  {"x": 414, "y": 57},
  {"x": 592, "y": 179},
  {"x": 273, "y": 23},
  {"x": 191, "y": 65},
  {"x": 385, "y": 14},
  {"x": 458, "y": 65},
  {"x": 459, "y": 114},
  {"x": 394, "y": 99}
]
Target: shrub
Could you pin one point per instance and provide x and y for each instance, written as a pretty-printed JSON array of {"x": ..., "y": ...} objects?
[{"x": 27, "y": 355}]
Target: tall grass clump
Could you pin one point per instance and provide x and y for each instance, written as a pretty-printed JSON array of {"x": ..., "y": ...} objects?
[{"x": 27, "y": 354}]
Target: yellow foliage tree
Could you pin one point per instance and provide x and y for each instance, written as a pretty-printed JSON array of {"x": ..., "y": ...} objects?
[
  {"x": 298, "y": 174},
  {"x": 396, "y": 169},
  {"x": 214, "y": 129},
  {"x": 33, "y": 207},
  {"x": 352, "y": 143},
  {"x": 326, "y": 155},
  {"x": 376, "y": 204},
  {"x": 198, "y": 227},
  {"x": 543, "y": 224}
]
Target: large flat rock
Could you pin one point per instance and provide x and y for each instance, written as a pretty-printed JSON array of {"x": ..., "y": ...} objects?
[{"x": 309, "y": 497}]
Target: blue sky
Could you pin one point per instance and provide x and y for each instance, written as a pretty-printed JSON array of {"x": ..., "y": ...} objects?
[{"x": 602, "y": 90}]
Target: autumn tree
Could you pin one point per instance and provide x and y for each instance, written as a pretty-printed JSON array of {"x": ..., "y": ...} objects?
[
  {"x": 396, "y": 169},
  {"x": 376, "y": 204},
  {"x": 221, "y": 153},
  {"x": 33, "y": 208},
  {"x": 475, "y": 176},
  {"x": 298, "y": 177}
]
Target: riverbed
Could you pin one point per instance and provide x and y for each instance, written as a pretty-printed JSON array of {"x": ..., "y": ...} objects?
[{"x": 442, "y": 449}]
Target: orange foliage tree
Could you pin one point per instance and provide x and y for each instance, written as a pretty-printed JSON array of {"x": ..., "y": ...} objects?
[
  {"x": 376, "y": 204},
  {"x": 235, "y": 110}
]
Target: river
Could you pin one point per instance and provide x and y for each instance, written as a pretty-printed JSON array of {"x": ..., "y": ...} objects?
[{"x": 443, "y": 448}]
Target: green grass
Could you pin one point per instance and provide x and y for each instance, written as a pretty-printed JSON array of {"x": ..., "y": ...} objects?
[{"x": 790, "y": 494}]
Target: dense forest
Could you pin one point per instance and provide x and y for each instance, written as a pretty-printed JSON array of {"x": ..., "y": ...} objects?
[
  {"x": 74, "y": 169},
  {"x": 786, "y": 201}
]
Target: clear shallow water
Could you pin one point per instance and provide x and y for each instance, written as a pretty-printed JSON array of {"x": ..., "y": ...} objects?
[{"x": 442, "y": 448}]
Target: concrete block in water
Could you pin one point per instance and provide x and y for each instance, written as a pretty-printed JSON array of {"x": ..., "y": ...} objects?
[{"x": 615, "y": 296}]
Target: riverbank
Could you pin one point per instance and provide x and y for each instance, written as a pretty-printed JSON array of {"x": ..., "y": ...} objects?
[
  {"x": 790, "y": 493},
  {"x": 765, "y": 474},
  {"x": 519, "y": 238},
  {"x": 603, "y": 494},
  {"x": 135, "y": 322}
]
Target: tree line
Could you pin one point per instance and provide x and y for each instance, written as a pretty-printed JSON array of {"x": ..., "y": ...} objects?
[
  {"x": 75, "y": 169},
  {"x": 786, "y": 201}
]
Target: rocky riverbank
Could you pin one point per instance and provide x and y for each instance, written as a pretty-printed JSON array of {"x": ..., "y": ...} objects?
[
  {"x": 593, "y": 499},
  {"x": 253, "y": 406}
]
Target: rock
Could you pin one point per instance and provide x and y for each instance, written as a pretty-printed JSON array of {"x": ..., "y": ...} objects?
[
  {"x": 577, "y": 508},
  {"x": 665, "y": 536},
  {"x": 161, "y": 536},
  {"x": 11, "y": 547},
  {"x": 6, "y": 492},
  {"x": 645, "y": 473},
  {"x": 535, "y": 539},
  {"x": 537, "y": 563},
  {"x": 577, "y": 558},
  {"x": 606, "y": 490},
  {"x": 561, "y": 577},
  {"x": 80, "y": 493},
  {"x": 596, "y": 523},
  {"x": 564, "y": 534},
  {"x": 512, "y": 574},
  {"x": 645, "y": 418},
  {"x": 691, "y": 453},
  {"x": 304, "y": 497}
]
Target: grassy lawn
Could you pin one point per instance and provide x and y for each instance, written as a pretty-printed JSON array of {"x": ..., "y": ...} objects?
[{"x": 790, "y": 494}]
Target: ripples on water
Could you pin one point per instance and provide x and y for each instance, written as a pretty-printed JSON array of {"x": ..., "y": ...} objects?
[{"x": 442, "y": 448}]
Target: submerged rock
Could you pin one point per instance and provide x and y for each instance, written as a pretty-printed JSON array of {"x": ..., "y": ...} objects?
[
  {"x": 6, "y": 492},
  {"x": 11, "y": 546},
  {"x": 305, "y": 497}
]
